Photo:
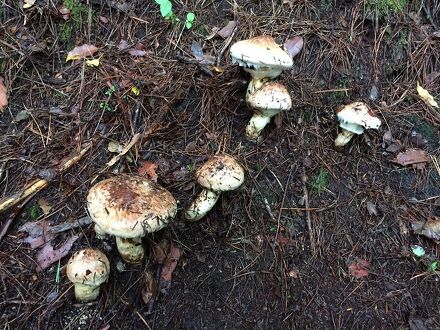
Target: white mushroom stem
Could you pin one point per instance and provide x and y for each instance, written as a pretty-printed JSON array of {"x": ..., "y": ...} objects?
[
  {"x": 84, "y": 292},
  {"x": 131, "y": 249},
  {"x": 100, "y": 233},
  {"x": 343, "y": 138},
  {"x": 203, "y": 203},
  {"x": 256, "y": 125}
]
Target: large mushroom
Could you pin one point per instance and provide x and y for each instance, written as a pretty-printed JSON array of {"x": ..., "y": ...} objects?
[
  {"x": 266, "y": 101},
  {"x": 220, "y": 173},
  {"x": 87, "y": 269},
  {"x": 261, "y": 57},
  {"x": 353, "y": 118},
  {"x": 129, "y": 207}
]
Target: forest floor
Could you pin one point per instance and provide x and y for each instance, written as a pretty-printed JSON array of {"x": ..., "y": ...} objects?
[{"x": 253, "y": 262}]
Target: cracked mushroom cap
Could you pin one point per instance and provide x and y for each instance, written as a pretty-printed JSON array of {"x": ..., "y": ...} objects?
[
  {"x": 89, "y": 267},
  {"x": 356, "y": 116},
  {"x": 261, "y": 56},
  {"x": 270, "y": 99},
  {"x": 220, "y": 173},
  {"x": 130, "y": 206}
]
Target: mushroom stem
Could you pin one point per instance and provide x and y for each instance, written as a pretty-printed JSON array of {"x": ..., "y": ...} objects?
[
  {"x": 100, "y": 233},
  {"x": 203, "y": 203},
  {"x": 343, "y": 138},
  {"x": 84, "y": 292},
  {"x": 256, "y": 125},
  {"x": 131, "y": 249}
]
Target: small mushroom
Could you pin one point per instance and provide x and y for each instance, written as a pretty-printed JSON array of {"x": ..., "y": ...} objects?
[
  {"x": 261, "y": 57},
  {"x": 220, "y": 173},
  {"x": 88, "y": 269},
  {"x": 266, "y": 101},
  {"x": 129, "y": 207},
  {"x": 353, "y": 118}
]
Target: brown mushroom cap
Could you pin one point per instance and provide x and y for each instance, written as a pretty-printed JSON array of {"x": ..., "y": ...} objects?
[
  {"x": 130, "y": 206},
  {"x": 221, "y": 173},
  {"x": 89, "y": 267}
]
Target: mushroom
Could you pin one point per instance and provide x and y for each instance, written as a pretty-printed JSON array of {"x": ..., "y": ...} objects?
[
  {"x": 128, "y": 207},
  {"x": 261, "y": 57},
  {"x": 220, "y": 173},
  {"x": 88, "y": 269},
  {"x": 266, "y": 101},
  {"x": 353, "y": 118}
]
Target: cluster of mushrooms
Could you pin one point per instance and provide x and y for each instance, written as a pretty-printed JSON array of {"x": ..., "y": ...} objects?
[{"x": 129, "y": 206}]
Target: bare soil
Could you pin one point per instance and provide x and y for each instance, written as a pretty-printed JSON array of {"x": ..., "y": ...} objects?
[{"x": 252, "y": 263}]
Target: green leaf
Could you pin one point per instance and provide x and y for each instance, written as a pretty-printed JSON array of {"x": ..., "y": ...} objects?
[
  {"x": 190, "y": 17},
  {"x": 433, "y": 266},
  {"x": 166, "y": 8},
  {"x": 418, "y": 251}
]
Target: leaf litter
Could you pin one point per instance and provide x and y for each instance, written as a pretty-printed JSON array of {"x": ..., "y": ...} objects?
[
  {"x": 415, "y": 157},
  {"x": 80, "y": 52},
  {"x": 359, "y": 268},
  {"x": 3, "y": 95}
]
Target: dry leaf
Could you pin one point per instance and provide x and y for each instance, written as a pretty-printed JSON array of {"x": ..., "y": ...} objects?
[
  {"x": 227, "y": 30},
  {"x": 371, "y": 208},
  {"x": 93, "y": 63},
  {"x": 38, "y": 233},
  {"x": 197, "y": 51},
  {"x": 65, "y": 12},
  {"x": 430, "y": 228},
  {"x": 28, "y": 3},
  {"x": 425, "y": 96},
  {"x": 169, "y": 266},
  {"x": 137, "y": 52},
  {"x": 436, "y": 34},
  {"x": 81, "y": 51},
  {"x": 44, "y": 205},
  {"x": 294, "y": 45},
  {"x": 359, "y": 268},
  {"x": 114, "y": 147},
  {"x": 161, "y": 250},
  {"x": 149, "y": 286},
  {"x": 3, "y": 95},
  {"x": 47, "y": 255},
  {"x": 148, "y": 169},
  {"x": 123, "y": 45},
  {"x": 281, "y": 239},
  {"x": 415, "y": 157}
]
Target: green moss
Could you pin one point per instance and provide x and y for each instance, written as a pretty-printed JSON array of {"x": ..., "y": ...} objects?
[
  {"x": 65, "y": 31},
  {"x": 78, "y": 11},
  {"x": 386, "y": 7},
  {"x": 320, "y": 181}
]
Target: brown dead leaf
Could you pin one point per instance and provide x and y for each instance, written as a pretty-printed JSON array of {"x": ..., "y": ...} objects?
[
  {"x": 415, "y": 157},
  {"x": 65, "y": 12},
  {"x": 47, "y": 255},
  {"x": 161, "y": 250},
  {"x": 3, "y": 95},
  {"x": 281, "y": 239},
  {"x": 371, "y": 208},
  {"x": 227, "y": 30},
  {"x": 148, "y": 169},
  {"x": 430, "y": 228},
  {"x": 197, "y": 51},
  {"x": 294, "y": 45},
  {"x": 44, "y": 206},
  {"x": 149, "y": 286},
  {"x": 169, "y": 266},
  {"x": 38, "y": 233},
  {"x": 82, "y": 51},
  {"x": 359, "y": 268}
]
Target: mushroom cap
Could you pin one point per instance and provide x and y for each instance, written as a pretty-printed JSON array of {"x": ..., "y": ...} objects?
[
  {"x": 356, "y": 116},
  {"x": 261, "y": 56},
  {"x": 89, "y": 267},
  {"x": 130, "y": 206},
  {"x": 269, "y": 99},
  {"x": 220, "y": 173}
]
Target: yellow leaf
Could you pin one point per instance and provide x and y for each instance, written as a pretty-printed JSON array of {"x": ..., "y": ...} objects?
[
  {"x": 135, "y": 90},
  {"x": 425, "y": 96},
  {"x": 44, "y": 206},
  {"x": 93, "y": 63},
  {"x": 218, "y": 69}
]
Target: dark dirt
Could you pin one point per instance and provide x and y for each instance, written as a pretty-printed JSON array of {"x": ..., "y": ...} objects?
[{"x": 252, "y": 262}]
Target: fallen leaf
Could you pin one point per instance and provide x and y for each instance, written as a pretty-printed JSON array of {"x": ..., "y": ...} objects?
[
  {"x": 28, "y": 3},
  {"x": 44, "y": 205},
  {"x": 389, "y": 143},
  {"x": 417, "y": 139},
  {"x": 81, "y": 52},
  {"x": 161, "y": 250},
  {"x": 227, "y": 30},
  {"x": 123, "y": 45},
  {"x": 149, "y": 286},
  {"x": 197, "y": 51},
  {"x": 359, "y": 268},
  {"x": 38, "y": 233},
  {"x": 135, "y": 90},
  {"x": 103, "y": 19},
  {"x": 430, "y": 228},
  {"x": 281, "y": 239},
  {"x": 169, "y": 266},
  {"x": 436, "y": 34},
  {"x": 114, "y": 147},
  {"x": 415, "y": 157},
  {"x": 148, "y": 169},
  {"x": 47, "y": 255},
  {"x": 371, "y": 208},
  {"x": 65, "y": 12},
  {"x": 3, "y": 95},
  {"x": 137, "y": 52},
  {"x": 21, "y": 115},
  {"x": 425, "y": 96},
  {"x": 293, "y": 46},
  {"x": 93, "y": 63}
]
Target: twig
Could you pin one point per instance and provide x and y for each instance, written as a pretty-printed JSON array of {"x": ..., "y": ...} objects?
[
  {"x": 228, "y": 41},
  {"x": 135, "y": 139},
  {"x": 307, "y": 209},
  {"x": 39, "y": 184}
]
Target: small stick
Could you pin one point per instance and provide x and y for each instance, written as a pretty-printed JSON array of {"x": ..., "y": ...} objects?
[
  {"x": 39, "y": 184},
  {"x": 135, "y": 139},
  {"x": 307, "y": 209}
]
